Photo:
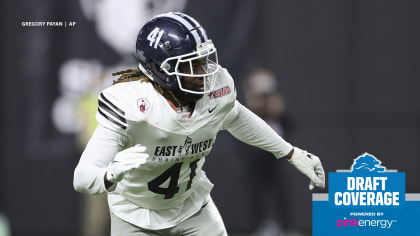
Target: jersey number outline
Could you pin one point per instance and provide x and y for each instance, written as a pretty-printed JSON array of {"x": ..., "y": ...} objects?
[{"x": 172, "y": 173}]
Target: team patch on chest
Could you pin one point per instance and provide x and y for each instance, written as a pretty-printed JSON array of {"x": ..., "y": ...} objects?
[{"x": 143, "y": 104}]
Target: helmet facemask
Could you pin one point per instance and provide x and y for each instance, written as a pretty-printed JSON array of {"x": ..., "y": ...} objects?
[{"x": 186, "y": 65}]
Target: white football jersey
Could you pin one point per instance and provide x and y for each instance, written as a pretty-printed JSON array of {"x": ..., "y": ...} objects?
[{"x": 172, "y": 176}]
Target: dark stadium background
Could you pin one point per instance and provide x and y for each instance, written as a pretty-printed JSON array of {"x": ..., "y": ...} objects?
[{"x": 348, "y": 70}]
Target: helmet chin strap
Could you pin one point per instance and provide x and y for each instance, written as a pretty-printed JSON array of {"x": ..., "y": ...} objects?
[
  {"x": 145, "y": 71},
  {"x": 191, "y": 97}
]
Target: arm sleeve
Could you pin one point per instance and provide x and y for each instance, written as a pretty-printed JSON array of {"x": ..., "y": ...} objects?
[
  {"x": 251, "y": 129},
  {"x": 99, "y": 152}
]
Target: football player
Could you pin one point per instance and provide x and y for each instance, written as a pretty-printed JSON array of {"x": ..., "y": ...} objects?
[{"x": 158, "y": 122}]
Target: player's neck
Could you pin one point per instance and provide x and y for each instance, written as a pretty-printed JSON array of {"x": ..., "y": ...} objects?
[{"x": 176, "y": 101}]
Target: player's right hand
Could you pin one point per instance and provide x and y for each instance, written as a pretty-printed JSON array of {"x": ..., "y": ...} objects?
[{"x": 128, "y": 159}]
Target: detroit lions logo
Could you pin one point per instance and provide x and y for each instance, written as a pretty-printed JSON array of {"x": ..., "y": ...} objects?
[{"x": 367, "y": 163}]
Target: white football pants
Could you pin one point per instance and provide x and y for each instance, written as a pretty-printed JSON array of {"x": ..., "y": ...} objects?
[{"x": 207, "y": 221}]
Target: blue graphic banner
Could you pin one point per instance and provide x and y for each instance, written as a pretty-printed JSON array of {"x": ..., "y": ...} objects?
[
  {"x": 366, "y": 200},
  {"x": 332, "y": 221},
  {"x": 379, "y": 190}
]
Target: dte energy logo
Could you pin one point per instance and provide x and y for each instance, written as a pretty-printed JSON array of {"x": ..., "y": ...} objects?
[{"x": 366, "y": 190}]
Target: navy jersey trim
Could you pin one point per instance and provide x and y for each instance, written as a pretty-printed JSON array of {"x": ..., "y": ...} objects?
[
  {"x": 111, "y": 104},
  {"x": 111, "y": 112}
]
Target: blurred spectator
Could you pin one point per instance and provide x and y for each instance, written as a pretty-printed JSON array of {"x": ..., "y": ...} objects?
[{"x": 262, "y": 97}]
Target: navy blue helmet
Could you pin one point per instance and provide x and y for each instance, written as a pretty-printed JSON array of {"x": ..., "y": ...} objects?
[{"x": 169, "y": 40}]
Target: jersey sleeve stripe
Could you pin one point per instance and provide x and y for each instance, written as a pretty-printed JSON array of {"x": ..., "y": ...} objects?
[
  {"x": 111, "y": 120},
  {"x": 111, "y": 104},
  {"x": 103, "y": 106},
  {"x": 111, "y": 112}
]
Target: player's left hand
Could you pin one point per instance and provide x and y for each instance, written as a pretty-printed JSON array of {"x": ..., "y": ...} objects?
[{"x": 310, "y": 165}]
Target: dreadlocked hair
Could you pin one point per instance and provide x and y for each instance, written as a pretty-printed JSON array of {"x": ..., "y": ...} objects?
[
  {"x": 135, "y": 74},
  {"x": 132, "y": 74}
]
